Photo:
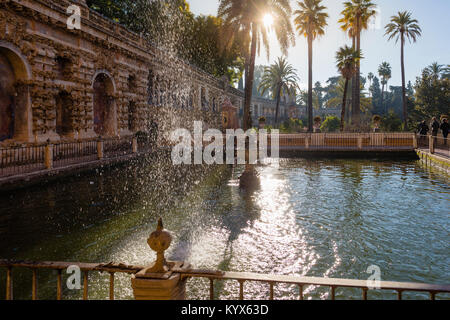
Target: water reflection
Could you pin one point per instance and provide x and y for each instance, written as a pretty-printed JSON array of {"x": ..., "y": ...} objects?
[{"x": 329, "y": 218}]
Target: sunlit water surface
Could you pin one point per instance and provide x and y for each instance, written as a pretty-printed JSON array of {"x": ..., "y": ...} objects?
[{"x": 324, "y": 218}]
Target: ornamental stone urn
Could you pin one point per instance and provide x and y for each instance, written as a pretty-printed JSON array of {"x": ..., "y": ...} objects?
[{"x": 163, "y": 279}]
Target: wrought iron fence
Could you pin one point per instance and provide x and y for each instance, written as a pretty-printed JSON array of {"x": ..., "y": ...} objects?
[
  {"x": 21, "y": 159},
  {"x": 302, "y": 282},
  {"x": 113, "y": 147},
  {"x": 86, "y": 268},
  {"x": 442, "y": 146},
  {"x": 240, "y": 277},
  {"x": 66, "y": 153}
]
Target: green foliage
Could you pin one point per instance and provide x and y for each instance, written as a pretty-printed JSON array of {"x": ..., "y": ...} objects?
[
  {"x": 291, "y": 126},
  {"x": 391, "y": 122},
  {"x": 432, "y": 96},
  {"x": 331, "y": 124},
  {"x": 311, "y": 19},
  {"x": 171, "y": 26},
  {"x": 268, "y": 128}
]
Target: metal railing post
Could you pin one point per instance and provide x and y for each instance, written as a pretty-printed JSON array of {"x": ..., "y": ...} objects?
[
  {"x": 100, "y": 148},
  {"x": 135, "y": 145},
  {"x": 48, "y": 155},
  {"x": 431, "y": 143}
]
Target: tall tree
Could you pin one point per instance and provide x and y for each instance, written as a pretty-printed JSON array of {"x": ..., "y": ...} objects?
[
  {"x": 280, "y": 78},
  {"x": 310, "y": 21},
  {"x": 435, "y": 70},
  {"x": 247, "y": 17},
  {"x": 432, "y": 96},
  {"x": 403, "y": 25},
  {"x": 356, "y": 17},
  {"x": 385, "y": 73},
  {"x": 370, "y": 77},
  {"x": 346, "y": 61}
]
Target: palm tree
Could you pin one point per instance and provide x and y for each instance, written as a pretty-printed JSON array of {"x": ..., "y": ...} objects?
[
  {"x": 435, "y": 70},
  {"x": 357, "y": 14},
  {"x": 246, "y": 19},
  {"x": 401, "y": 26},
  {"x": 280, "y": 78},
  {"x": 310, "y": 21},
  {"x": 370, "y": 77},
  {"x": 346, "y": 61},
  {"x": 385, "y": 73}
]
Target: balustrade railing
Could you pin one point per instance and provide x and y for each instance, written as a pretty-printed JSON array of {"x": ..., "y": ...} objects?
[
  {"x": 113, "y": 147},
  {"x": 21, "y": 159},
  {"x": 346, "y": 141},
  {"x": 27, "y": 158},
  {"x": 85, "y": 268},
  {"x": 441, "y": 146},
  {"x": 239, "y": 277},
  {"x": 66, "y": 153}
]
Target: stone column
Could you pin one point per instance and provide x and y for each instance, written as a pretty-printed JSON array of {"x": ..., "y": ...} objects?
[{"x": 160, "y": 281}]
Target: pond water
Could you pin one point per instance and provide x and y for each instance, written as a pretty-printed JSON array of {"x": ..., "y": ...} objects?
[{"x": 317, "y": 217}]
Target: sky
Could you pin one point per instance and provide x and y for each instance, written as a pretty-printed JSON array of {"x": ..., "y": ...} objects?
[{"x": 434, "y": 45}]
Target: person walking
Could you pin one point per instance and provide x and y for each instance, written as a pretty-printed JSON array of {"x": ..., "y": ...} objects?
[
  {"x": 423, "y": 128},
  {"x": 423, "y": 131},
  {"x": 445, "y": 128}
]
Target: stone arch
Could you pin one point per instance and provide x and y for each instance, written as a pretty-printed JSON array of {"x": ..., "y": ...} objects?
[
  {"x": 105, "y": 113},
  {"x": 15, "y": 102}
]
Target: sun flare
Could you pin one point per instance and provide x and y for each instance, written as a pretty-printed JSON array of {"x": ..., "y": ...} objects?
[{"x": 268, "y": 20}]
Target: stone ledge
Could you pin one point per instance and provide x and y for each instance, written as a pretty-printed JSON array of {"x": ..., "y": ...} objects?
[{"x": 433, "y": 160}]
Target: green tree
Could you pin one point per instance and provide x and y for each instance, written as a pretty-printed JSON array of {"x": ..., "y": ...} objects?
[
  {"x": 385, "y": 73},
  {"x": 346, "y": 61},
  {"x": 318, "y": 91},
  {"x": 280, "y": 78},
  {"x": 331, "y": 124},
  {"x": 203, "y": 50},
  {"x": 403, "y": 25},
  {"x": 246, "y": 18},
  {"x": 435, "y": 70},
  {"x": 310, "y": 21},
  {"x": 375, "y": 92},
  {"x": 171, "y": 26},
  {"x": 391, "y": 122},
  {"x": 356, "y": 17},
  {"x": 432, "y": 96},
  {"x": 370, "y": 77}
]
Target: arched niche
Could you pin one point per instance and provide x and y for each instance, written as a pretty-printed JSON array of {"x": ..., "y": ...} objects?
[
  {"x": 15, "y": 102},
  {"x": 64, "y": 104},
  {"x": 105, "y": 114}
]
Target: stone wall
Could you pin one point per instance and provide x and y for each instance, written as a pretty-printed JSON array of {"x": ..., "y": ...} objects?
[{"x": 102, "y": 80}]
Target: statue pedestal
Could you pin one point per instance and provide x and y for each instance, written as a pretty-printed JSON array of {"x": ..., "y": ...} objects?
[{"x": 160, "y": 286}]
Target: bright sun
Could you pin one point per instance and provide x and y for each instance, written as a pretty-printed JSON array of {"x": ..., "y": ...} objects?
[{"x": 268, "y": 20}]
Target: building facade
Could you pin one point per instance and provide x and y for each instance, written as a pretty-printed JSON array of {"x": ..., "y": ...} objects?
[{"x": 59, "y": 83}]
